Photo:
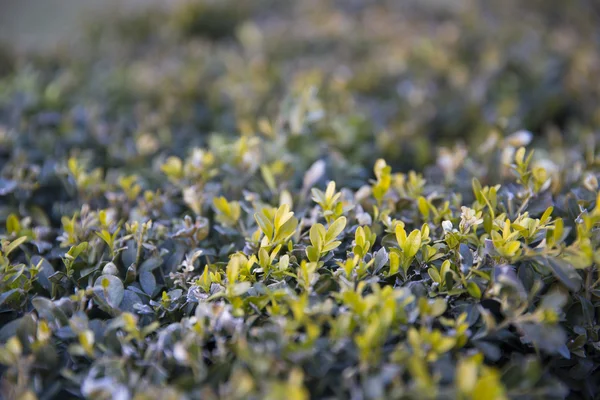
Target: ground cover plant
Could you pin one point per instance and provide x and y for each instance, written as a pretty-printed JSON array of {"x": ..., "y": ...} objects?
[{"x": 315, "y": 199}]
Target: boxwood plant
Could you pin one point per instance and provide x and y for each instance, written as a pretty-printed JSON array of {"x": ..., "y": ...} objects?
[{"x": 247, "y": 210}]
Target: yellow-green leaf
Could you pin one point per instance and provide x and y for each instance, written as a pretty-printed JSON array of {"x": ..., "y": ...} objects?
[
  {"x": 412, "y": 244},
  {"x": 400, "y": 235},
  {"x": 335, "y": 229}
]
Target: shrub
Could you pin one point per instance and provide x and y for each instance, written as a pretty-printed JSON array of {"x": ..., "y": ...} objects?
[{"x": 198, "y": 213}]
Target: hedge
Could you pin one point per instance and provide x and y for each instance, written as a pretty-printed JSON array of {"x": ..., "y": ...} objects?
[{"x": 315, "y": 199}]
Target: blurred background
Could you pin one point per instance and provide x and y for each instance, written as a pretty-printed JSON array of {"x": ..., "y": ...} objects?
[
  {"x": 392, "y": 76},
  {"x": 43, "y": 24}
]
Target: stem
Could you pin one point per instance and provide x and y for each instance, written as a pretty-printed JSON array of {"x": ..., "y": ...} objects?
[
  {"x": 524, "y": 204},
  {"x": 588, "y": 281},
  {"x": 138, "y": 253}
]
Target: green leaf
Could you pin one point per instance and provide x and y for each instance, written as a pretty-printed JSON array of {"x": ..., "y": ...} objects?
[
  {"x": 130, "y": 299},
  {"x": 477, "y": 190},
  {"x": 549, "y": 338},
  {"x": 438, "y": 307},
  {"x": 75, "y": 251},
  {"x": 434, "y": 274},
  {"x": 423, "y": 207},
  {"x": 148, "y": 282},
  {"x": 46, "y": 270},
  {"x": 265, "y": 225},
  {"x": 563, "y": 271},
  {"x": 412, "y": 244},
  {"x": 12, "y": 224},
  {"x": 240, "y": 288},
  {"x": 474, "y": 290},
  {"x": 104, "y": 235},
  {"x": 4, "y": 297},
  {"x": 547, "y": 214},
  {"x": 312, "y": 253},
  {"x": 400, "y": 236},
  {"x": 110, "y": 289},
  {"x": 151, "y": 264},
  {"x": 331, "y": 246},
  {"x": 282, "y": 215},
  {"x": 335, "y": 229},
  {"x": 286, "y": 230},
  {"x": 466, "y": 375},
  {"x": 317, "y": 233},
  {"x": 12, "y": 246},
  {"x": 394, "y": 262},
  {"x": 268, "y": 177},
  {"x": 449, "y": 280},
  {"x": 381, "y": 258}
]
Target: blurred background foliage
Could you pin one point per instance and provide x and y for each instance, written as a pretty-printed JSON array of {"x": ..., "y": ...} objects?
[{"x": 394, "y": 76}]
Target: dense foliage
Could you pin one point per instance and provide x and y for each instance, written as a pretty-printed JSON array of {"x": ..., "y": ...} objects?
[{"x": 195, "y": 204}]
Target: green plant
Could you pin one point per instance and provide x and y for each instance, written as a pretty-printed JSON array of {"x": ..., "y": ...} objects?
[{"x": 313, "y": 199}]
